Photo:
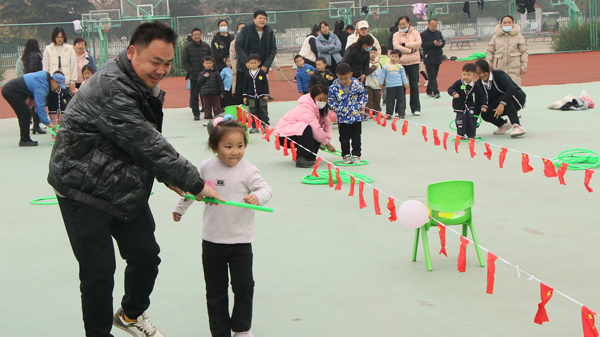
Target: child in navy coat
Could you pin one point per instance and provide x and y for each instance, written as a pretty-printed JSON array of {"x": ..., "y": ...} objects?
[
  {"x": 256, "y": 91},
  {"x": 463, "y": 102}
]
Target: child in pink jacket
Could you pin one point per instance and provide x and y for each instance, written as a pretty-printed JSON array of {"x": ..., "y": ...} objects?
[{"x": 308, "y": 126}]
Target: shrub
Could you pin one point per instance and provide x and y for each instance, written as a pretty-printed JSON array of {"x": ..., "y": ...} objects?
[
  {"x": 572, "y": 38},
  {"x": 2, "y": 71}
]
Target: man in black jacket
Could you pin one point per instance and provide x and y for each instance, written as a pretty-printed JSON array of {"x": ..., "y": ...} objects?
[
  {"x": 433, "y": 42},
  {"x": 192, "y": 58},
  {"x": 106, "y": 155}
]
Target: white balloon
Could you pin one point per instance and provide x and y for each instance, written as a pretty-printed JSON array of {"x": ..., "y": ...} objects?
[{"x": 413, "y": 214}]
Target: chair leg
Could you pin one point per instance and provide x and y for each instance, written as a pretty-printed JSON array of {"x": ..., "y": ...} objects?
[
  {"x": 426, "y": 250},
  {"x": 479, "y": 256},
  {"x": 465, "y": 232},
  {"x": 416, "y": 245}
]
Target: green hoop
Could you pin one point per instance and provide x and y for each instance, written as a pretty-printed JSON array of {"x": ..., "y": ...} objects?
[
  {"x": 336, "y": 153},
  {"x": 453, "y": 122},
  {"x": 581, "y": 158},
  {"x": 323, "y": 178},
  {"x": 477, "y": 139},
  {"x": 341, "y": 163},
  {"x": 40, "y": 201}
]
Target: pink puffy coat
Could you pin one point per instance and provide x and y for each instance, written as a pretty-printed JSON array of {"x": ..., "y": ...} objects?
[
  {"x": 306, "y": 113},
  {"x": 412, "y": 40}
]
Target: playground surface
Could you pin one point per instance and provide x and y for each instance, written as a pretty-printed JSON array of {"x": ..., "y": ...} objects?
[{"x": 324, "y": 267}]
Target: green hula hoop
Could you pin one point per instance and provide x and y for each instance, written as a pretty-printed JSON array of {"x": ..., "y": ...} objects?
[
  {"x": 336, "y": 153},
  {"x": 581, "y": 158},
  {"x": 341, "y": 163},
  {"x": 477, "y": 139},
  {"x": 40, "y": 201},
  {"x": 323, "y": 178},
  {"x": 453, "y": 122}
]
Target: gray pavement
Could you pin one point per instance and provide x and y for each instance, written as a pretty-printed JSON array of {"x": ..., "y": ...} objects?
[{"x": 322, "y": 266}]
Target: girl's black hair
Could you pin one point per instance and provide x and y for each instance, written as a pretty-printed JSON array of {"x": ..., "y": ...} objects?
[
  {"x": 483, "y": 65},
  {"x": 55, "y": 32},
  {"x": 31, "y": 45},
  {"x": 219, "y": 23},
  {"x": 315, "y": 91},
  {"x": 363, "y": 39},
  {"x": 507, "y": 16},
  {"x": 338, "y": 26},
  {"x": 87, "y": 67},
  {"x": 221, "y": 129},
  {"x": 315, "y": 30}
]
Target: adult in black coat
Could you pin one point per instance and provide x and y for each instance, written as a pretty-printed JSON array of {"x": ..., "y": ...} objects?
[
  {"x": 32, "y": 63},
  {"x": 502, "y": 97},
  {"x": 432, "y": 43},
  {"x": 219, "y": 45},
  {"x": 393, "y": 30},
  {"x": 192, "y": 59},
  {"x": 338, "y": 30},
  {"x": 358, "y": 56}
]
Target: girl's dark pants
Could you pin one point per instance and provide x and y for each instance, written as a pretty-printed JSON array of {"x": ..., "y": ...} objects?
[
  {"x": 307, "y": 141},
  {"x": 412, "y": 72},
  {"x": 350, "y": 132},
  {"x": 510, "y": 110},
  {"x": 15, "y": 92}
]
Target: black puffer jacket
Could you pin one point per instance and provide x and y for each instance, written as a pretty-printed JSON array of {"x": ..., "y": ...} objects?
[
  {"x": 390, "y": 42},
  {"x": 211, "y": 85},
  {"x": 192, "y": 57},
  {"x": 432, "y": 54},
  {"x": 220, "y": 49},
  {"x": 33, "y": 63},
  {"x": 358, "y": 59},
  {"x": 109, "y": 147}
]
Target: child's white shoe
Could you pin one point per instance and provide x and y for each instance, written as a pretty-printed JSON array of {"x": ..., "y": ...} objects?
[
  {"x": 355, "y": 160},
  {"x": 502, "y": 129},
  {"x": 347, "y": 159},
  {"x": 243, "y": 334}
]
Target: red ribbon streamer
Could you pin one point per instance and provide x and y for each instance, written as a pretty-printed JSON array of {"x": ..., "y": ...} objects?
[
  {"x": 472, "y": 147},
  {"x": 446, "y": 134},
  {"x": 394, "y": 124},
  {"x": 392, "y": 207},
  {"x": 361, "y": 198},
  {"x": 352, "y": 182},
  {"x": 338, "y": 185},
  {"x": 442, "y": 232},
  {"x": 285, "y": 146},
  {"x": 424, "y": 132},
  {"x": 436, "y": 139},
  {"x": 462, "y": 255},
  {"x": 491, "y": 272},
  {"x": 589, "y": 325},
  {"x": 260, "y": 126},
  {"x": 561, "y": 172},
  {"x": 378, "y": 118},
  {"x": 546, "y": 294},
  {"x": 330, "y": 175},
  {"x": 502, "y": 156},
  {"x": 549, "y": 169},
  {"x": 376, "y": 201},
  {"x": 525, "y": 164},
  {"x": 588, "y": 177},
  {"x": 371, "y": 113},
  {"x": 404, "y": 127},
  {"x": 277, "y": 145},
  {"x": 243, "y": 118},
  {"x": 488, "y": 151},
  {"x": 293, "y": 148},
  {"x": 249, "y": 124},
  {"x": 239, "y": 113},
  {"x": 314, "y": 172},
  {"x": 457, "y": 142},
  {"x": 268, "y": 134},
  {"x": 384, "y": 123}
]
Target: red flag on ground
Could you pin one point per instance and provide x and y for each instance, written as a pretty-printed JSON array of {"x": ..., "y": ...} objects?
[
  {"x": 330, "y": 175},
  {"x": 404, "y": 127},
  {"x": 436, "y": 139},
  {"x": 285, "y": 146},
  {"x": 525, "y": 164},
  {"x": 338, "y": 185},
  {"x": 314, "y": 172},
  {"x": 361, "y": 198},
  {"x": 277, "y": 145},
  {"x": 546, "y": 294},
  {"x": 462, "y": 254},
  {"x": 446, "y": 134},
  {"x": 502, "y": 156},
  {"x": 588, "y": 177},
  {"x": 457, "y": 142},
  {"x": 549, "y": 170},
  {"x": 442, "y": 232},
  {"x": 589, "y": 325},
  {"x": 384, "y": 123},
  {"x": 561, "y": 172},
  {"x": 293, "y": 148},
  {"x": 491, "y": 272},
  {"x": 488, "y": 152},
  {"x": 472, "y": 147},
  {"x": 268, "y": 134},
  {"x": 392, "y": 207},
  {"x": 378, "y": 118},
  {"x": 424, "y": 132},
  {"x": 376, "y": 201},
  {"x": 352, "y": 182},
  {"x": 394, "y": 124}
]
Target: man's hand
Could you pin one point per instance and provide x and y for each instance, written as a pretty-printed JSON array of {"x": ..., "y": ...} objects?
[
  {"x": 265, "y": 69},
  {"x": 206, "y": 74},
  {"x": 176, "y": 190},
  {"x": 523, "y": 71},
  {"x": 456, "y": 95},
  {"x": 52, "y": 126},
  {"x": 251, "y": 199},
  {"x": 437, "y": 43},
  {"x": 176, "y": 217},
  {"x": 208, "y": 192},
  {"x": 362, "y": 78},
  {"x": 330, "y": 147},
  {"x": 499, "y": 110},
  {"x": 406, "y": 85}
]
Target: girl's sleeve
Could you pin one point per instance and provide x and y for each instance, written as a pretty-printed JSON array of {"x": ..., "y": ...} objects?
[
  {"x": 73, "y": 66},
  {"x": 383, "y": 75},
  {"x": 313, "y": 46},
  {"x": 523, "y": 49},
  {"x": 491, "y": 50},
  {"x": 182, "y": 205},
  {"x": 259, "y": 187},
  {"x": 45, "y": 60}
]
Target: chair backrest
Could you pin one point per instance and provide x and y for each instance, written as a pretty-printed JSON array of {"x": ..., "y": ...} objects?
[{"x": 451, "y": 196}]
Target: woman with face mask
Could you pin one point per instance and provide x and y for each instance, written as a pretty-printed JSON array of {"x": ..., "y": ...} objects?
[
  {"x": 308, "y": 125},
  {"x": 408, "y": 41},
  {"x": 358, "y": 55},
  {"x": 220, "y": 45},
  {"x": 507, "y": 51}
]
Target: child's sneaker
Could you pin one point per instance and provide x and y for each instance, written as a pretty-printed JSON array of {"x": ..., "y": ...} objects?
[
  {"x": 347, "y": 159},
  {"x": 502, "y": 129},
  {"x": 141, "y": 328},
  {"x": 243, "y": 334},
  {"x": 355, "y": 160},
  {"x": 517, "y": 131},
  {"x": 417, "y": 113}
]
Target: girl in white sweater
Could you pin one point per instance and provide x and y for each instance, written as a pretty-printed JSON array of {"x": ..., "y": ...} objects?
[{"x": 227, "y": 231}]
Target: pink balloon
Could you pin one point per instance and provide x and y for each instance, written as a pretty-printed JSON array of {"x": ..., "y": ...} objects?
[
  {"x": 217, "y": 120},
  {"x": 413, "y": 214}
]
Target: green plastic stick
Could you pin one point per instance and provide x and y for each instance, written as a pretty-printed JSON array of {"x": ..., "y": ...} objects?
[{"x": 232, "y": 203}]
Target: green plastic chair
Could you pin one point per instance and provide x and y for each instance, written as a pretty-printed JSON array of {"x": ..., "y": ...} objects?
[{"x": 448, "y": 197}]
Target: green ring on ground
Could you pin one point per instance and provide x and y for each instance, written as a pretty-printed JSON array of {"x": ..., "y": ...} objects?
[
  {"x": 40, "y": 201},
  {"x": 341, "y": 163},
  {"x": 52, "y": 131},
  {"x": 477, "y": 139},
  {"x": 582, "y": 158},
  {"x": 323, "y": 178},
  {"x": 453, "y": 122},
  {"x": 336, "y": 153}
]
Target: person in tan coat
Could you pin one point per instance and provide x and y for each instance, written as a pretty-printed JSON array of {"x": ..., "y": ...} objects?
[{"x": 507, "y": 51}]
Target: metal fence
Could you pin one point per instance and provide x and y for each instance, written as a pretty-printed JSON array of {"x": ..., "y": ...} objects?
[{"x": 555, "y": 26}]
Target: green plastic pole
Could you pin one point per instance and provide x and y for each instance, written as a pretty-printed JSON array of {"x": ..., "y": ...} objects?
[{"x": 232, "y": 203}]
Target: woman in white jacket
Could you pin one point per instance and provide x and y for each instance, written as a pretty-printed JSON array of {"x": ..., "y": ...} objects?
[
  {"x": 507, "y": 50},
  {"x": 61, "y": 56}
]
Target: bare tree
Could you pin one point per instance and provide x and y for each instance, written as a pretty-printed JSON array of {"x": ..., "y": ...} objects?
[{"x": 106, "y": 4}]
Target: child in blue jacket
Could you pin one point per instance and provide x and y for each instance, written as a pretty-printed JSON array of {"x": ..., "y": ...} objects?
[
  {"x": 347, "y": 97},
  {"x": 303, "y": 73}
]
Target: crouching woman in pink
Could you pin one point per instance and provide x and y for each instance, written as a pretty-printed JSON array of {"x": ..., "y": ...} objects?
[{"x": 308, "y": 125}]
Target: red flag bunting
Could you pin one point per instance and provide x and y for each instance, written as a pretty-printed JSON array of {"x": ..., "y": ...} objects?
[
  {"x": 277, "y": 145},
  {"x": 239, "y": 113},
  {"x": 491, "y": 272},
  {"x": 502, "y": 156},
  {"x": 260, "y": 126},
  {"x": 361, "y": 198},
  {"x": 424, "y": 132},
  {"x": 404, "y": 127},
  {"x": 338, "y": 185},
  {"x": 378, "y": 118},
  {"x": 394, "y": 124},
  {"x": 457, "y": 143},
  {"x": 376, "y": 201},
  {"x": 285, "y": 146},
  {"x": 442, "y": 232},
  {"x": 392, "y": 207},
  {"x": 525, "y": 163},
  {"x": 561, "y": 172},
  {"x": 549, "y": 170},
  {"x": 371, "y": 113},
  {"x": 472, "y": 147},
  {"x": 462, "y": 255},
  {"x": 588, "y": 177},
  {"x": 249, "y": 123},
  {"x": 268, "y": 134},
  {"x": 314, "y": 172},
  {"x": 446, "y": 134},
  {"x": 293, "y": 148},
  {"x": 546, "y": 294},
  {"x": 436, "y": 139},
  {"x": 488, "y": 151},
  {"x": 244, "y": 121},
  {"x": 589, "y": 325},
  {"x": 330, "y": 175},
  {"x": 384, "y": 123},
  {"x": 352, "y": 182}
]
